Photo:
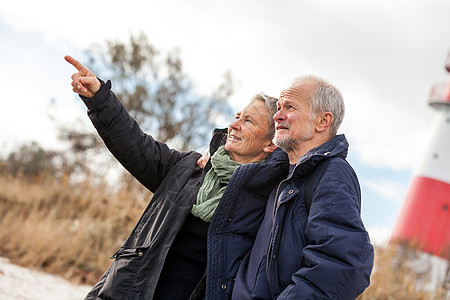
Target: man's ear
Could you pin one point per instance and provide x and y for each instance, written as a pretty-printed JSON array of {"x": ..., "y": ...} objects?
[
  {"x": 324, "y": 121},
  {"x": 269, "y": 147}
]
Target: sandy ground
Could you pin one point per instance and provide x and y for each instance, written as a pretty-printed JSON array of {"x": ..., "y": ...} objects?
[{"x": 20, "y": 283}]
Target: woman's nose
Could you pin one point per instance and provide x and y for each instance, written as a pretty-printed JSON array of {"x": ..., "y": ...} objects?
[{"x": 236, "y": 124}]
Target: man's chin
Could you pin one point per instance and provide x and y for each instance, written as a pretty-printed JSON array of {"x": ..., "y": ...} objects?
[
  {"x": 281, "y": 138},
  {"x": 283, "y": 142}
]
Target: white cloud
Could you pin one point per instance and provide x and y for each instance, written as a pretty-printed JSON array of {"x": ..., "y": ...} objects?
[
  {"x": 379, "y": 236},
  {"x": 382, "y": 131},
  {"x": 386, "y": 189},
  {"x": 383, "y": 55}
]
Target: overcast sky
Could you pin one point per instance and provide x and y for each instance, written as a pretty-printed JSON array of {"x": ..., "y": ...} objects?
[{"x": 383, "y": 55}]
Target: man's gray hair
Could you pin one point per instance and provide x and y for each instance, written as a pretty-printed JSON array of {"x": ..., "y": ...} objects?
[
  {"x": 271, "y": 105},
  {"x": 327, "y": 98}
]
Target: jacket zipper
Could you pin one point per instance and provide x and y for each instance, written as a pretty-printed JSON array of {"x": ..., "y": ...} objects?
[{"x": 269, "y": 250}]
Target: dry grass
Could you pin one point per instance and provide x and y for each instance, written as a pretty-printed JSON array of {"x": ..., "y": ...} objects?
[
  {"x": 402, "y": 273},
  {"x": 65, "y": 229},
  {"x": 71, "y": 230}
]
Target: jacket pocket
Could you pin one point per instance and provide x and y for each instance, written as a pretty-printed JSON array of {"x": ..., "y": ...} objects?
[
  {"x": 122, "y": 274},
  {"x": 261, "y": 288}
]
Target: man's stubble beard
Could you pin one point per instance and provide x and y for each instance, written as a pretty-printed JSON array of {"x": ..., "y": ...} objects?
[
  {"x": 284, "y": 143},
  {"x": 288, "y": 144}
]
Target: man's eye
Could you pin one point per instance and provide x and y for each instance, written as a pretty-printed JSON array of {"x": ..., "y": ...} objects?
[{"x": 248, "y": 120}]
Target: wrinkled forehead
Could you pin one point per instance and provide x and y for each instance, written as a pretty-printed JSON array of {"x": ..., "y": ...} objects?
[{"x": 298, "y": 91}]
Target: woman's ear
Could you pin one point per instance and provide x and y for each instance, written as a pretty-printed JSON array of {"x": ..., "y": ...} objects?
[
  {"x": 269, "y": 147},
  {"x": 325, "y": 121}
]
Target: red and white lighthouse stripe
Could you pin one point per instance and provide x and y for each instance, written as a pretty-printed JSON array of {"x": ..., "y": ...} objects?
[{"x": 424, "y": 219}]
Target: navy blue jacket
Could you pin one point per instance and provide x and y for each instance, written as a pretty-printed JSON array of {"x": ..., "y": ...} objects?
[
  {"x": 235, "y": 223},
  {"x": 326, "y": 254},
  {"x": 175, "y": 179}
]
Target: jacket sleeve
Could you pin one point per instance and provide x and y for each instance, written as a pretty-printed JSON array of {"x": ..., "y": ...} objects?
[
  {"x": 338, "y": 259},
  {"x": 146, "y": 159}
]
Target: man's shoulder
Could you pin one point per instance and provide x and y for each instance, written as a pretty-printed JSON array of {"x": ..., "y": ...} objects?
[{"x": 338, "y": 166}]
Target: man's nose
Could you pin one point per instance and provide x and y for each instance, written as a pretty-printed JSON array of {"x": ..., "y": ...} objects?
[{"x": 279, "y": 115}]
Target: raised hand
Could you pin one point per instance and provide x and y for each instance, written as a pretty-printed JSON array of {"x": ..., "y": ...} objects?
[{"x": 84, "y": 82}]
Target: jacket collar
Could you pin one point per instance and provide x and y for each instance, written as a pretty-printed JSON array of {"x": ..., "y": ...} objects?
[
  {"x": 219, "y": 137},
  {"x": 336, "y": 147}
]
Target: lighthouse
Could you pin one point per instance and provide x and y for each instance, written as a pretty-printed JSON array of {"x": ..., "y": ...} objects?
[{"x": 424, "y": 220}]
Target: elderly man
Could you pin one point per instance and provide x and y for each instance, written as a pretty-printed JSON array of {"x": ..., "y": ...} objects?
[
  {"x": 310, "y": 251},
  {"x": 167, "y": 254}
]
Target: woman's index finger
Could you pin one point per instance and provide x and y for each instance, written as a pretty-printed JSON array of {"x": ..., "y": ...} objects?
[{"x": 74, "y": 62}]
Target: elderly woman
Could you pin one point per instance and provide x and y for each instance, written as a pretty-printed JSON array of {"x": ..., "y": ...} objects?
[{"x": 167, "y": 255}]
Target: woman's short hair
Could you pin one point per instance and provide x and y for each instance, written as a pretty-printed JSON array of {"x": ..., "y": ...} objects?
[{"x": 271, "y": 105}]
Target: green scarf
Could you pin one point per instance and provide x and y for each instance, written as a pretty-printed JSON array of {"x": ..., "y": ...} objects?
[{"x": 214, "y": 185}]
